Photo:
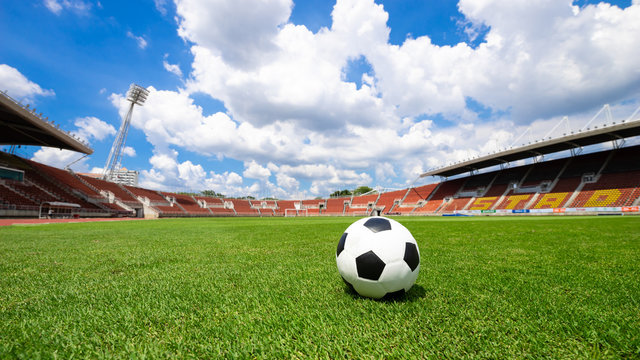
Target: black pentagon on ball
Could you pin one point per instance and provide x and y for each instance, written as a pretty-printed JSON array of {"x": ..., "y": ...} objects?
[
  {"x": 377, "y": 224},
  {"x": 341, "y": 244},
  {"x": 411, "y": 256},
  {"x": 369, "y": 266}
]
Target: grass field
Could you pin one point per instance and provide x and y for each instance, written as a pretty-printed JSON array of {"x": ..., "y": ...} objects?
[{"x": 552, "y": 287}]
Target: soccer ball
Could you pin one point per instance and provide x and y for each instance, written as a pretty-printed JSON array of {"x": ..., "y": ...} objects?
[{"x": 378, "y": 256}]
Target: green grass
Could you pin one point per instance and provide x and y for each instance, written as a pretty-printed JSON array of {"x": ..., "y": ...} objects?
[{"x": 530, "y": 287}]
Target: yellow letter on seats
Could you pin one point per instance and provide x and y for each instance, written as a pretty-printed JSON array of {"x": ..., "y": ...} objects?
[
  {"x": 483, "y": 203},
  {"x": 551, "y": 200},
  {"x": 603, "y": 198}
]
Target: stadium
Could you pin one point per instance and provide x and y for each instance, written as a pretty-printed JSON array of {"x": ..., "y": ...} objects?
[
  {"x": 233, "y": 283},
  {"x": 522, "y": 251}
]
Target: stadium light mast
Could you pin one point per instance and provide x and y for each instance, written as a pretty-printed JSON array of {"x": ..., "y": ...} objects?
[{"x": 137, "y": 96}]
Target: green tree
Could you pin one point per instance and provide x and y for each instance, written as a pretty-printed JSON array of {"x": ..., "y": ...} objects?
[
  {"x": 362, "y": 190},
  {"x": 211, "y": 193},
  {"x": 186, "y": 193},
  {"x": 340, "y": 193}
]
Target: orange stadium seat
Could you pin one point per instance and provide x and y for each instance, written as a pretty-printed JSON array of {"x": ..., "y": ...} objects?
[
  {"x": 360, "y": 204},
  {"x": 456, "y": 205},
  {"x": 336, "y": 206},
  {"x": 243, "y": 207},
  {"x": 446, "y": 189},
  {"x": 116, "y": 189},
  {"x": 416, "y": 194},
  {"x": 153, "y": 196},
  {"x": 387, "y": 200},
  {"x": 189, "y": 204}
]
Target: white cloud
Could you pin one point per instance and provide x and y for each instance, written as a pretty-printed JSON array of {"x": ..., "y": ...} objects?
[
  {"x": 77, "y": 6},
  {"x": 169, "y": 174},
  {"x": 301, "y": 84},
  {"x": 548, "y": 58},
  {"x": 142, "y": 43},
  {"x": 60, "y": 158},
  {"x": 53, "y": 6},
  {"x": 172, "y": 119},
  {"x": 165, "y": 162},
  {"x": 161, "y": 6},
  {"x": 241, "y": 31},
  {"x": 192, "y": 175},
  {"x": 129, "y": 151},
  {"x": 172, "y": 68},
  {"x": 90, "y": 127},
  {"x": 254, "y": 171},
  {"x": 288, "y": 183},
  {"x": 384, "y": 172},
  {"x": 18, "y": 86}
]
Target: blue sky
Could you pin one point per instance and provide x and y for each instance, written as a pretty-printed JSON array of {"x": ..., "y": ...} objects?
[{"x": 298, "y": 99}]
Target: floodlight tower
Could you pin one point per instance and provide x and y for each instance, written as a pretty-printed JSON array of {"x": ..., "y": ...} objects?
[{"x": 137, "y": 96}]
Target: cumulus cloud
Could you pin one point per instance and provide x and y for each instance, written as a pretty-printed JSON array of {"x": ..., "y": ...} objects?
[
  {"x": 172, "y": 68},
  {"x": 90, "y": 127},
  {"x": 140, "y": 40},
  {"x": 60, "y": 158},
  {"x": 287, "y": 183},
  {"x": 129, "y": 151},
  {"x": 384, "y": 171},
  {"x": 18, "y": 86},
  {"x": 77, "y": 6},
  {"x": 242, "y": 31},
  {"x": 161, "y": 6},
  {"x": 169, "y": 174},
  {"x": 546, "y": 58},
  {"x": 53, "y": 6},
  {"x": 254, "y": 171},
  {"x": 292, "y": 117},
  {"x": 301, "y": 83}
]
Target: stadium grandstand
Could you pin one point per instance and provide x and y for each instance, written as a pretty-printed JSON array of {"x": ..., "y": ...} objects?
[{"x": 603, "y": 181}]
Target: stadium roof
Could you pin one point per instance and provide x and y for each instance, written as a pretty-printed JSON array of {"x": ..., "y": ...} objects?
[
  {"x": 20, "y": 125},
  {"x": 578, "y": 139}
]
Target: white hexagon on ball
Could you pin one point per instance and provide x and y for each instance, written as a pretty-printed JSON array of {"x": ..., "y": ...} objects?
[{"x": 377, "y": 256}]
